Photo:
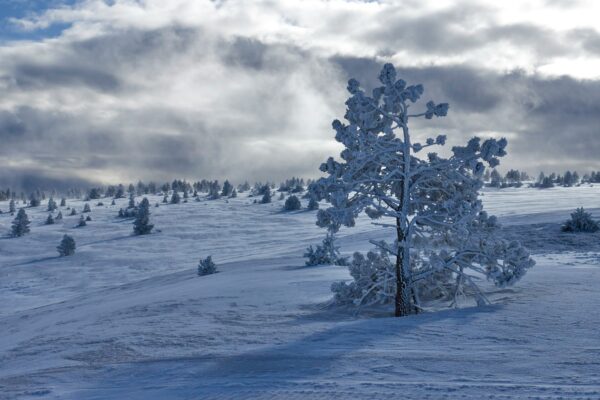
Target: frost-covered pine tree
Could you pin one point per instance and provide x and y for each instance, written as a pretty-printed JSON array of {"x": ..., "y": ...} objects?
[
  {"x": 233, "y": 194},
  {"x": 81, "y": 222},
  {"x": 430, "y": 201},
  {"x": 86, "y": 208},
  {"x": 142, "y": 225},
  {"x": 165, "y": 199},
  {"x": 11, "y": 206},
  {"x": 73, "y": 212},
  {"x": 206, "y": 266},
  {"x": 112, "y": 203},
  {"x": 175, "y": 199},
  {"x": 50, "y": 220},
  {"x": 51, "y": 205},
  {"x": 66, "y": 246},
  {"x": 20, "y": 225},
  {"x": 59, "y": 216},
  {"x": 63, "y": 202}
]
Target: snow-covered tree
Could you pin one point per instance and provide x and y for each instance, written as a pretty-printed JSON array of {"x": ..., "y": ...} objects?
[
  {"x": 50, "y": 220},
  {"x": 142, "y": 225},
  {"x": 206, "y": 266},
  {"x": 266, "y": 195},
  {"x": 233, "y": 194},
  {"x": 131, "y": 203},
  {"x": 20, "y": 225},
  {"x": 227, "y": 189},
  {"x": 326, "y": 253},
  {"x": 175, "y": 199},
  {"x": 34, "y": 200},
  {"x": 51, "y": 205},
  {"x": 313, "y": 204},
  {"x": 292, "y": 203},
  {"x": 495, "y": 179},
  {"x": 581, "y": 221},
  {"x": 66, "y": 246},
  {"x": 120, "y": 193},
  {"x": 81, "y": 222},
  {"x": 63, "y": 202},
  {"x": 86, "y": 208},
  {"x": 11, "y": 206},
  {"x": 431, "y": 201},
  {"x": 59, "y": 216},
  {"x": 73, "y": 212}
]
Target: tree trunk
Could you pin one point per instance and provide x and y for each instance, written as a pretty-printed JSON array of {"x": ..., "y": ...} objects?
[{"x": 403, "y": 304}]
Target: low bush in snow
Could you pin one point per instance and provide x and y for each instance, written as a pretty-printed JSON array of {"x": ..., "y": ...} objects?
[
  {"x": 206, "y": 267},
  {"x": 325, "y": 254},
  {"x": 581, "y": 221},
  {"x": 66, "y": 246},
  {"x": 292, "y": 203}
]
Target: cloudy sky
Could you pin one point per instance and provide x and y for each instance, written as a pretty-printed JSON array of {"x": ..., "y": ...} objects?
[{"x": 116, "y": 90}]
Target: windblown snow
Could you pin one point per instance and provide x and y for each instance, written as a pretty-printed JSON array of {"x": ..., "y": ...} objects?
[{"x": 127, "y": 317}]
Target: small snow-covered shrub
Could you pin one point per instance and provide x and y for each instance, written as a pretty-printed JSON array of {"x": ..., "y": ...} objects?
[
  {"x": 581, "y": 221},
  {"x": 206, "y": 267},
  {"x": 292, "y": 203},
  {"x": 86, "y": 208},
  {"x": 66, "y": 246},
  {"x": 325, "y": 254},
  {"x": 313, "y": 204},
  {"x": 374, "y": 281},
  {"x": 81, "y": 222}
]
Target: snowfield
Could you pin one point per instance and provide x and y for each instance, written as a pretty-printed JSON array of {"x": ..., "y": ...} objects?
[{"x": 127, "y": 317}]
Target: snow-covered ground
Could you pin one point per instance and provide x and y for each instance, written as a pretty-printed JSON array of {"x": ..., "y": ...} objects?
[{"x": 127, "y": 317}]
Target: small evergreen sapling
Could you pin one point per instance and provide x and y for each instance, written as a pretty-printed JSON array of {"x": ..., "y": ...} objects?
[
  {"x": 20, "y": 225},
  {"x": 59, "y": 216},
  {"x": 206, "y": 267},
  {"x": 88, "y": 218},
  {"x": 142, "y": 225},
  {"x": 66, "y": 246},
  {"x": 313, "y": 204},
  {"x": 175, "y": 199},
  {"x": 11, "y": 207},
  {"x": 292, "y": 203},
  {"x": 63, "y": 202},
  {"x": 86, "y": 208},
  {"x": 581, "y": 221},
  {"x": 50, "y": 220},
  {"x": 81, "y": 222},
  {"x": 73, "y": 212}
]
